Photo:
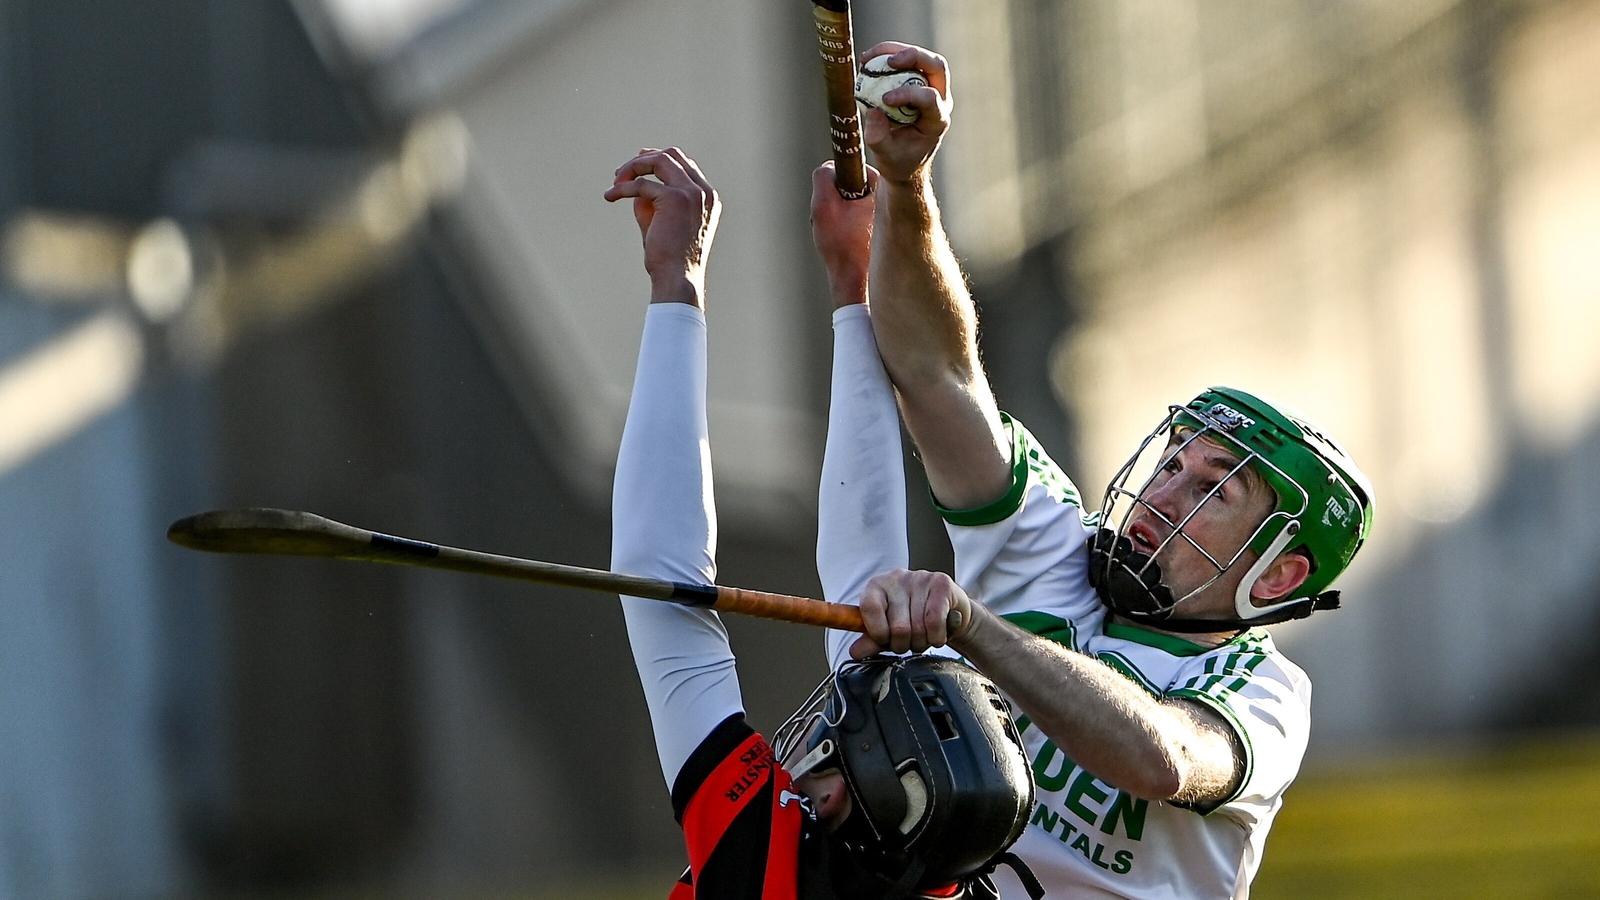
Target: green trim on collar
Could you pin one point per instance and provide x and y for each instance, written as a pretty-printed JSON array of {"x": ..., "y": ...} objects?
[
  {"x": 1258, "y": 636},
  {"x": 1177, "y": 646},
  {"x": 1008, "y": 503}
]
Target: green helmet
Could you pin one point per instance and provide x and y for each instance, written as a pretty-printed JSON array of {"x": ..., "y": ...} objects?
[
  {"x": 1324, "y": 510},
  {"x": 1318, "y": 485}
]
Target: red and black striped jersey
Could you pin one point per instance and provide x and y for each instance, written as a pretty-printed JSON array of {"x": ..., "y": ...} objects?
[{"x": 750, "y": 834}]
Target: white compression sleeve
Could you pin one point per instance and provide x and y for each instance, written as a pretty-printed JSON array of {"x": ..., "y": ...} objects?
[
  {"x": 861, "y": 505},
  {"x": 664, "y": 525}
]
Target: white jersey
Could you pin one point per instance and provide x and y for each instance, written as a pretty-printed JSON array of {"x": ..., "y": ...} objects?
[{"x": 1024, "y": 557}]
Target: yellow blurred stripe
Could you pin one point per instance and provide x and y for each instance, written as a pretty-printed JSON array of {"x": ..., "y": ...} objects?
[
  {"x": 1521, "y": 820},
  {"x": 56, "y": 389}
]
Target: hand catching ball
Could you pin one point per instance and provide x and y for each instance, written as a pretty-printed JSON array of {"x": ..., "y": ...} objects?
[{"x": 876, "y": 78}]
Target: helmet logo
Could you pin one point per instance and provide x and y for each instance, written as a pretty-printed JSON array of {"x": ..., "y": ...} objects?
[
  {"x": 1336, "y": 512},
  {"x": 1229, "y": 419}
]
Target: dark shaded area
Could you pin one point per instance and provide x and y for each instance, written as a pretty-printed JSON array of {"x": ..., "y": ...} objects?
[
  {"x": 1572, "y": 698},
  {"x": 107, "y": 91},
  {"x": 1039, "y": 99},
  {"x": 311, "y": 418},
  {"x": 1021, "y": 318},
  {"x": 1530, "y": 507}
]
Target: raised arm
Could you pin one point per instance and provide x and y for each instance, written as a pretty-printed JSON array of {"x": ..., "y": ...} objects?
[
  {"x": 663, "y": 517},
  {"x": 861, "y": 504},
  {"x": 927, "y": 331},
  {"x": 922, "y": 313}
]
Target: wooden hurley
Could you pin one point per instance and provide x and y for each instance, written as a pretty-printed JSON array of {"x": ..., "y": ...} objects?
[
  {"x": 285, "y": 532},
  {"x": 839, "y": 72}
]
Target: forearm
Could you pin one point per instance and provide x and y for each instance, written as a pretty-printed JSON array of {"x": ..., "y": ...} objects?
[
  {"x": 926, "y": 327},
  {"x": 664, "y": 526},
  {"x": 1101, "y": 720},
  {"x": 861, "y": 504},
  {"x": 923, "y": 309}
]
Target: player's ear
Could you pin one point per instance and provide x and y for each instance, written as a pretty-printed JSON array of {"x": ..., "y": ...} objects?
[{"x": 1286, "y": 573}]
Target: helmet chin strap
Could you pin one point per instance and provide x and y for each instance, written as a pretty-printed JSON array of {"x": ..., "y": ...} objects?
[
  {"x": 1248, "y": 615},
  {"x": 1282, "y": 612},
  {"x": 1242, "y": 605},
  {"x": 1125, "y": 591}
]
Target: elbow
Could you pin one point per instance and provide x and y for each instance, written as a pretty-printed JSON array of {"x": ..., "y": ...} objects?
[
  {"x": 667, "y": 564},
  {"x": 635, "y": 555},
  {"x": 1163, "y": 780},
  {"x": 1184, "y": 773},
  {"x": 1169, "y": 787},
  {"x": 1165, "y": 772}
]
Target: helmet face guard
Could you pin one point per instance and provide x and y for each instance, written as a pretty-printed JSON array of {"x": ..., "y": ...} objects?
[
  {"x": 935, "y": 767},
  {"x": 1322, "y": 508}
]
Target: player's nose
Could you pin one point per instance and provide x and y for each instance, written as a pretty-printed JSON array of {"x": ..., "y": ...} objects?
[{"x": 1172, "y": 498}]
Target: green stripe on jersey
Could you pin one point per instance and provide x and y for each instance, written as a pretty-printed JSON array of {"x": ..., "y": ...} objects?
[
  {"x": 1220, "y": 669},
  {"x": 1176, "y": 646},
  {"x": 1027, "y": 459},
  {"x": 1051, "y": 628},
  {"x": 1055, "y": 628},
  {"x": 1252, "y": 641},
  {"x": 1129, "y": 671}
]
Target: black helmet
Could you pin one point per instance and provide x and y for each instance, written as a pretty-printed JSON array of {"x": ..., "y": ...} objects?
[{"x": 935, "y": 767}]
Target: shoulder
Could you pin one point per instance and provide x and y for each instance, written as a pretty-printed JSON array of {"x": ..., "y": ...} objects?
[
  {"x": 732, "y": 751},
  {"x": 742, "y": 820},
  {"x": 1032, "y": 470},
  {"x": 1251, "y": 684},
  {"x": 1249, "y": 661}
]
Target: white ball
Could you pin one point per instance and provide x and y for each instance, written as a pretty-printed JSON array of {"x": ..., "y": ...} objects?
[{"x": 875, "y": 79}]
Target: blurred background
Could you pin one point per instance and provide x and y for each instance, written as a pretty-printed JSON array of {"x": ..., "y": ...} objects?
[{"x": 350, "y": 256}]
